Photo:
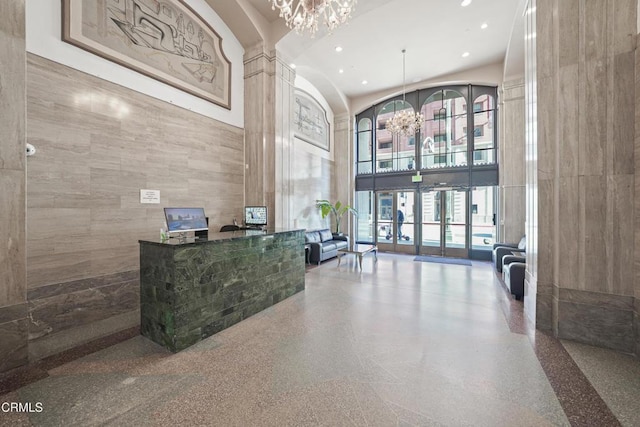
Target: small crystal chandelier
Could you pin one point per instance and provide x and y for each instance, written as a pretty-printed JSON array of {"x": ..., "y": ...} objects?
[
  {"x": 404, "y": 122},
  {"x": 307, "y": 13}
]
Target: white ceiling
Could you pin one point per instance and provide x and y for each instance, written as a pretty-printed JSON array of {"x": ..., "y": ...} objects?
[{"x": 435, "y": 34}]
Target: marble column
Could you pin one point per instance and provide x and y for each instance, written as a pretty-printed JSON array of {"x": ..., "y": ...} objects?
[
  {"x": 581, "y": 169},
  {"x": 260, "y": 132},
  {"x": 269, "y": 95},
  {"x": 512, "y": 161},
  {"x": 284, "y": 98},
  {"x": 13, "y": 307}
]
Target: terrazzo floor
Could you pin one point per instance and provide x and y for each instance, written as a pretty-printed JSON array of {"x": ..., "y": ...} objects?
[{"x": 399, "y": 343}]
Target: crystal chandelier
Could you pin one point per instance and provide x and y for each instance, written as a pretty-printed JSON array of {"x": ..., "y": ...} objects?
[
  {"x": 307, "y": 13},
  {"x": 406, "y": 121}
]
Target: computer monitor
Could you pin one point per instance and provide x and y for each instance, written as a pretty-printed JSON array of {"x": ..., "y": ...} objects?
[
  {"x": 181, "y": 220},
  {"x": 255, "y": 215}
]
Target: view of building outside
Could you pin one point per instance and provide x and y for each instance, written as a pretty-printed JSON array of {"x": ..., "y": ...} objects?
[
  {"x": 450, "y": 125},
  {"x": 443, "y": 135}
]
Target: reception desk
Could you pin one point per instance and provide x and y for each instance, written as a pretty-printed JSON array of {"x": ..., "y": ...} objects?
[{"x": 191, "y": 289}]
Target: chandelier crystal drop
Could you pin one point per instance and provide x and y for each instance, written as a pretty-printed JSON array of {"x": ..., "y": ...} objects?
[
  {"x": 406, "y": 121},
  {"x": 306, "y": 14}
]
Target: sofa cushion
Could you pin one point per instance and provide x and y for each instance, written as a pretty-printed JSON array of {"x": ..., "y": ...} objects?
[
  {"x": 523, "y": 243},
  {"x": 325, "y": 235},
  {"x": 329, "y": 246},
  {"x": 312, "y": 237},
  {"x": 341, "y": 244}
]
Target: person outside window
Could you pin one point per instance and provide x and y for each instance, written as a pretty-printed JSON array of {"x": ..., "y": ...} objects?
[{"x": 400, "y": 219}]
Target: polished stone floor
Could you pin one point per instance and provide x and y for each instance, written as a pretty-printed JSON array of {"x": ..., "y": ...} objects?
[{"x": 399, "y": 343}]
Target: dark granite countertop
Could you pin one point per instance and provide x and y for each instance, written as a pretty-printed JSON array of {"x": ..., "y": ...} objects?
[{"x": 219, "y": 237}]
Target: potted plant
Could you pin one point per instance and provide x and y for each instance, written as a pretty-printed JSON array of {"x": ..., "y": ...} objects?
[{"x": 337, "y": 209}]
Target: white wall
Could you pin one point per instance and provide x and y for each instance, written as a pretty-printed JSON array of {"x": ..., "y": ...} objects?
[{"x": 43, "y": 33}]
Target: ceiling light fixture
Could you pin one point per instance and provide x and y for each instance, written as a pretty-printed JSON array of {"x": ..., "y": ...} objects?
[
  {"x": 341, "y": 71},
  {"x": 307, "y": 13},
  {"x": 406, "y": 121},
  {"x": 484, "y": 26},
  {"x": 364, "y": 82},
  {"x": 464, "y": 55},
  {"x": 338, "y": 49},
  {"x": 465, "y": 3}
]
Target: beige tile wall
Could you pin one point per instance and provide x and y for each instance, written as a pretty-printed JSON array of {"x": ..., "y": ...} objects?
[{"x": 97, "y": 145}]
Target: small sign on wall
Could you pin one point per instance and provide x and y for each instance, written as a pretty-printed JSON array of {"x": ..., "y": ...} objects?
[{"x": 149, "y": 196}]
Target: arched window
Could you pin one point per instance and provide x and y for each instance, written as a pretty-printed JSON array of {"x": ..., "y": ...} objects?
[
  {"x": 444, "y": 132},
  {"x": 393, "y": 152},
  {"x": 364, "y": 153}
]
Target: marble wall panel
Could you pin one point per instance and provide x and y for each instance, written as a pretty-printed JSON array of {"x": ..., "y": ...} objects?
[
  {"x": 52, "y": 314},
  {"x": 592, "y": 238},
  {"x": 546, "y": 231},
  {"x": 12, "y": 169},
  {"x": 12, "y": 230},
  {"x": 12, "y": 84},
  {"x": 13, "y": 350},
  {"x": 311, "y": 181},
  {"x": 596, "y": 319},
  {"x": 636, "y": 325},
  {"x": 544, "y": 54},
  {"x": 619, "y": 241},
  {"x": 544, "y": 309},
  {"x": 13, "y": 336},
  {"x": 98, "y": 145},
  {"x": 569, "y": 23},
  {"x": 567, "y": 266},
  {"x": 620, "y": 146},
  {"x": 594, "y": 25},
  {"x": 547, "y": 131},
  {"x": 624, "y": 21},
  {"x": 594, "y": 94},
  {"x": 569, "y": 113},
  {"x": 513, "y": 211}
]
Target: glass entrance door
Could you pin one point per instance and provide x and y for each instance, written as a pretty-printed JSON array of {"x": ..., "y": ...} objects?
[
  {"x": 444, "y": 223},
  {"x": 395, "y": 221}
]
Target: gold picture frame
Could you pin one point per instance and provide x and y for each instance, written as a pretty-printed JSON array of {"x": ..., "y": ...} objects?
[{"x": 162, "y": 39}]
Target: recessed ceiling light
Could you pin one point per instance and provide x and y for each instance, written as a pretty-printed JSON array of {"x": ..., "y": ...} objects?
[
  {"x": 464, "y": 55},
  {"x": 364, "y": 82},
  {"x": 484, "y": 26},
  {"x": 341, "y": 71},
  {"x": 465, "y": 3},
  {"x": 292, "y": 65},
  {"x": 338, "y": 48}
]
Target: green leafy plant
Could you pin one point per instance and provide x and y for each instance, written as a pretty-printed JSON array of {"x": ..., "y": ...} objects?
[{"x": 337, "y": 209}]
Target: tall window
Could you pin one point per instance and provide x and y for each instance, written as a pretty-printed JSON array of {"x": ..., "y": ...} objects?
[
  {"x": 364, "y": 152},
  {"x": 393, "y": 152},
  {"x": 483, "y": 130},
  {"x": 444, "y": 132}
]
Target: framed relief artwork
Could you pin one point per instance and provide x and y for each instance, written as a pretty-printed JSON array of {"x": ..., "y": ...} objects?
[
  {"x": 310, "y": 121},
  {"x": 163, "y": 39}
]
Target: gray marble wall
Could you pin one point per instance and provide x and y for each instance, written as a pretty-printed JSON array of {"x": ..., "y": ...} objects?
[
  {"x": 584, "y": 146},
  {"x": 13, "y": 284},
  {"x": 98, "y": 145}
]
